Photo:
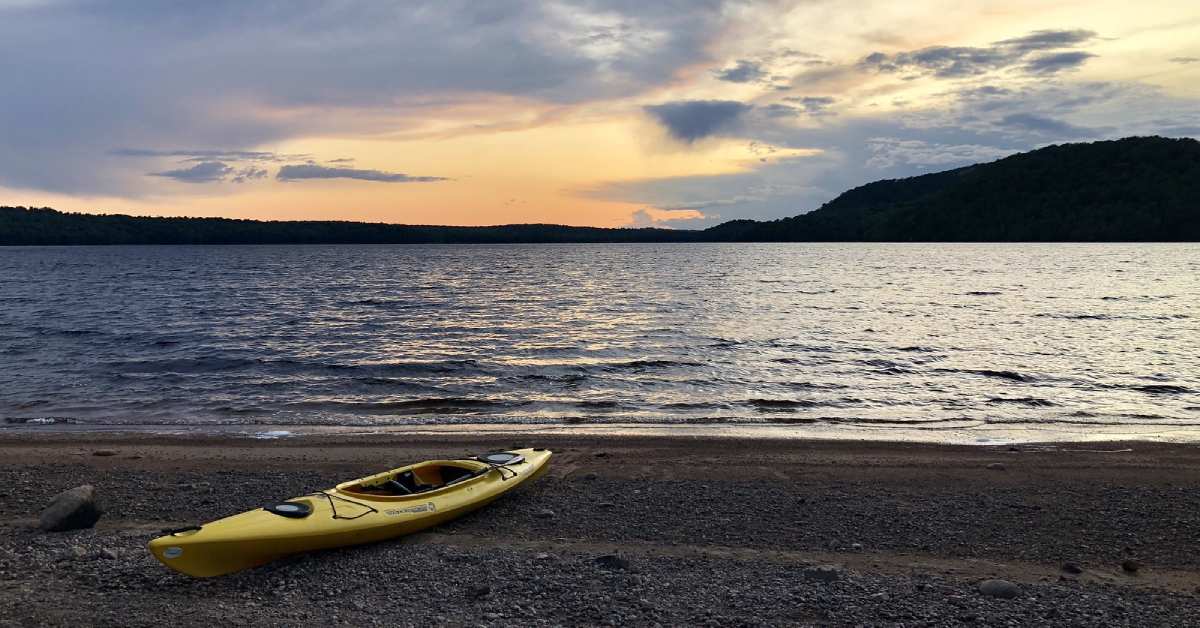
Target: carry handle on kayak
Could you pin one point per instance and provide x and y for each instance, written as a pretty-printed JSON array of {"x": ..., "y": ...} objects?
[{"x": 173, "y": 531}]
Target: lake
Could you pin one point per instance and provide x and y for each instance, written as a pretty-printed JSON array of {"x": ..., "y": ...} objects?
[{"x": 905, "y": 340}]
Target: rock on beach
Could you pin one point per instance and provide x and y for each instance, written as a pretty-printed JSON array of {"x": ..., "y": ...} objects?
[
  {"x": 1002, "y": 589},
  {"x": 72, "y": 509}
]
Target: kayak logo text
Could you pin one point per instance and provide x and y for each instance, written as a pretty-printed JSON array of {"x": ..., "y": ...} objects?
[{"x": 426, "y": 507}]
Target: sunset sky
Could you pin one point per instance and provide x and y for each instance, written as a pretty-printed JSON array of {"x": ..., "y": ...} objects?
[{"x": 610, "y": 113}]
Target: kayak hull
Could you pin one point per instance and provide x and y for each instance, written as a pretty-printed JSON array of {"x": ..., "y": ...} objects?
[{"x": 338, "y": 517}]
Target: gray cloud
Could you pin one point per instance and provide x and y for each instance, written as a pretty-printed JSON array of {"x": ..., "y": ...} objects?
[
  {"x": 890, "y": 152},
  {"x": 1045, "y": 126},
  {"x": 78, "y": 80},
  {"x": 249, "y": 173},
  {"x": 1051, "y": 63},
  {"x": 203, "y": 172},
  {"x": 742, "y": 72},
  {"x": 213, "y": 172},
  {"x": 779, "y": 110},
  {"x": 691, "y": 120},
  {"x": 812, "y": 105},
  {"x": 965, "y": 61},
  {"x": 300, "y": 172},
  {"x": 1047, "y": 40}
]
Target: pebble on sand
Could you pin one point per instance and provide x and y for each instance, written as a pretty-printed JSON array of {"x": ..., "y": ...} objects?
[
  {"x": 544, "y": 514},
  {"x": 71, "y": 509},
  {"x": 999, "y": 588},
  {"x": 823, "y": 573},
  {"x": 104, "y": 452},
  {"x": 1072, "y": 568},
  {"x": 1130, "y": 565},
  {"x": 997, "y": 466}
]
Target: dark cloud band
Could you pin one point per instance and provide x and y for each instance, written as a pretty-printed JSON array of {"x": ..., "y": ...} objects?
[
  {"x": 1035, "y": 53},
  {"x": 301, "y": 172}
]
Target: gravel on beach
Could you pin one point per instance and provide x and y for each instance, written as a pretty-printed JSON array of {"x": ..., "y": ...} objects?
[{"x": 657, "y": 531}]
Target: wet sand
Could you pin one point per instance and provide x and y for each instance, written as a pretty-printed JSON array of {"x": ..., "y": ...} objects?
[{"x": 704, "y": 531}]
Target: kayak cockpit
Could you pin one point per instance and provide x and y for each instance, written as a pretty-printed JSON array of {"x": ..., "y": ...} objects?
[{"x": 422, "y": 478}]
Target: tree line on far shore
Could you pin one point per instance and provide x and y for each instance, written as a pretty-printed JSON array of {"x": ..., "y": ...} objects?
[{"x": 1135, "y": 189}]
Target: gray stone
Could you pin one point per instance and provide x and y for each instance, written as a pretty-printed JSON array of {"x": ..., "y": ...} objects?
[
  {"x": 104, "y": 452},
  {"x": 997, "y": 466},
  {"x": 544, "y": 514},
  {"x": 823, "y": 573},
  {"x": 1072, "y": 568},
  {"x": 72, "y": 509},
  {"x": 1130, "y": 565},
  {"x": 1002, "y": 589}
]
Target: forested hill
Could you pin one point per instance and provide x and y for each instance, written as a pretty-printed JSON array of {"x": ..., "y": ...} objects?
[
  {"x": 1134, "y": 189},
  {"x": 20, "y": 225}
]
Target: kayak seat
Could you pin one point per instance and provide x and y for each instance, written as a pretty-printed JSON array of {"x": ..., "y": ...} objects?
[{"x": 421, "y": 479}]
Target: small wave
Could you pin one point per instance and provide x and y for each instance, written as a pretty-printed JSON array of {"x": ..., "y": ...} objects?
[
  {"x": 648, "y": 364},
  {"x": 1113, "y": 317},
  {"x": 1033, "y": 402},
  {"x": 272, "y": 434},
  {"x": 597, "y": 404},
  {"x": 1162, "y": 389},
  {"x": 693, "y": 405},
  {"x": 881, "y": 421},
  {"x": 1009, "y": 375},
  {"x": 1079, "y": 317},
  {"x": 781, "y": 405},
  {"x": 396, "y": 304},
  {"x": 565, "y": 379},
  {"x": 242, "y": 411},
  {"x": 813, "y": 385},
  {"x": 882, "y": 363},
  {"x": 70, "y": 333},
  {"x": 428, "y": 405},
  {"x": 888, "y": 367},
  {"x": 39, "y": 420}
]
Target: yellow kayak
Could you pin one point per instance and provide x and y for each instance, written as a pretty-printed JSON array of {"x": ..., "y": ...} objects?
[{"x": 378, "y": 507}]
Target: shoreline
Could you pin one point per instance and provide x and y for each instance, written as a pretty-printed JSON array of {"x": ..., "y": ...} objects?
[
  {"x": 710, "y": 531},
  {"x": 990, "y": 435}
]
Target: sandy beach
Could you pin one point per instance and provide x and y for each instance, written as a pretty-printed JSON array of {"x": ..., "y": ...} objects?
[{"x": 628, "y": 530}]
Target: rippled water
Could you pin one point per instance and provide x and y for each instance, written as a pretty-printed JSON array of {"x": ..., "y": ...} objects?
[{"x": 931, "y": 335}]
